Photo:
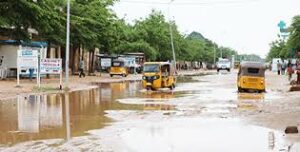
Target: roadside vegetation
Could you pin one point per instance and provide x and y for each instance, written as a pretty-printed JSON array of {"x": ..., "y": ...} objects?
[
  {"x": 289, "y": 48},
  {"x": 95, "y": 25}
]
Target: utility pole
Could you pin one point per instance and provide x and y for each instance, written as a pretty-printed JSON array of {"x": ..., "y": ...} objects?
[
  {"x": 172, "y": 39},
  {"x": 67, "y": 44}
]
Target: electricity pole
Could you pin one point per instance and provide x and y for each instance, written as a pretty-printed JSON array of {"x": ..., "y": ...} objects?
[
  {"x": 67, "y": 44},
  {"x": 172, "y": 39}
]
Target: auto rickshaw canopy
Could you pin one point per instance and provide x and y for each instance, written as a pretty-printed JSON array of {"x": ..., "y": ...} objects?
[
  {"x": 118, "y": 63},
  {"x": 252, "y": 69},
  {"x": 158, "y": 66}
]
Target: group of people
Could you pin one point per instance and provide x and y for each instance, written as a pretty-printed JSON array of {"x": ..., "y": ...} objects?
[{"x": 289, "y": 68}]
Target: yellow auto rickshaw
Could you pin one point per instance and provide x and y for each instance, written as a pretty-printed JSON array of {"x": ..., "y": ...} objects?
[
  {"x": 118, "y": 68},
  {"x": 251, "y": 76},
  {"x": 158, "y": 75}
]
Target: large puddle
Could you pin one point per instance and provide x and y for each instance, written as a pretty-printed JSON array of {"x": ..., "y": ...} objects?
[
  {"x": 194, "y": 117},
  {"x": 198, "y": 134},
  {"x": 35, "y": 117}
]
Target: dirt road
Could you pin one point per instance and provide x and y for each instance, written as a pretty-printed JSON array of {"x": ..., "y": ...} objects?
[{"x": 203, "y": 113}]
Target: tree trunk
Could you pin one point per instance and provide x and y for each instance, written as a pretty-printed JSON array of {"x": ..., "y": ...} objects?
[
  {"x": 63, "y": 56},
  {"x": 91, "y": 61},
  {"x": 49, "y": 50},
  {"x": 48, "y": 55},
  {"x": 73, "y": 59}
]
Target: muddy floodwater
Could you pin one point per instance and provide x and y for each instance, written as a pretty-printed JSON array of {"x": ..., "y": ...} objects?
[{"x": 203, "y": 113}]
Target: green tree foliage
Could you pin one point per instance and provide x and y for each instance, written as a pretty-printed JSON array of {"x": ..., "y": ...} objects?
[
  {"x": 278, "y": 49},
  {"x": 150, "y": 35},
  {"x": 94, "y": 25},
  {"x": 17, "y": 17},
  {"x": 294, "y": 39},
  {"x": 293, "y": 43},
  {"x": 198, "y": 48},
  {"x": 155, "y": 31}
]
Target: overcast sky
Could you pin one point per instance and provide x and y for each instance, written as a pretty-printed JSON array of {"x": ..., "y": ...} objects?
[{"x": 247, "y": 26}]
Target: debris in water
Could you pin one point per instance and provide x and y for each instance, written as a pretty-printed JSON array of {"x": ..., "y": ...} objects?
[
  {"x": 291, "y": 130},
  {"x": 295, "y": 88}
]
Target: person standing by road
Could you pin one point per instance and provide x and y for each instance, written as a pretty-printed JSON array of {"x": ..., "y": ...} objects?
[
  {"x": 283, "y": 68},
  {"x": 290, "y": 71},
  {"x": 31, "y": 70},
  {"x": 298, "y": 72},
  {"x": 278, "y": 67},
  {"x": 81, "y": 68}
]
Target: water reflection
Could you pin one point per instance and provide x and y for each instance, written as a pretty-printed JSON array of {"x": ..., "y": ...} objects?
[
  {"x": 35, "y": 117},
  {"x": 68, "y": 127},
  {"x": 159, "y": 95},
  {"x": 248, "y": 101}
]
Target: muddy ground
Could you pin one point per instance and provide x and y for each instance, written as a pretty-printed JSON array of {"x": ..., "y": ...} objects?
[{"x": 203, "y": 113}]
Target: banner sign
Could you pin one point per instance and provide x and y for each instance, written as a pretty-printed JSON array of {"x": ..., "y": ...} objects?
[
  {"x": 51, "y": 66},
  {"x": 129, "y": 61},
  {"x": 27, "y": 59},
  {"x": 105, "y": 62}
]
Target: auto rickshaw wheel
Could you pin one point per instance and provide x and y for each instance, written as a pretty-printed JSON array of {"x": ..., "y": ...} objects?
[
  {"x": 124, "y": 75},
  {"x": 172, "y": 86},
  {"x": 240, "y": 89},
  {"x": 261, "y": 91},
  {"x": 111, "y": 75}
]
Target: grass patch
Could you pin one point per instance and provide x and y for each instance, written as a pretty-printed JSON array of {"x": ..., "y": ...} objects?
[{"x": 45, "y": 89}]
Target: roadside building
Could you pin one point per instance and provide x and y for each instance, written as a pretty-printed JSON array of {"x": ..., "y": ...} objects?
[{"x": 9, "y": 54}]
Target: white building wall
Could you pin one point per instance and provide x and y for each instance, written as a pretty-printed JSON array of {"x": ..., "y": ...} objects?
[{"x": 10, "y": 53}]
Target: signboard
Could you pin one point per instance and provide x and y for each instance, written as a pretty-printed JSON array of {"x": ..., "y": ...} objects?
[
  {"x": 27, "y": 59},
  {"x": 129, "y": 61},
  {"x": 51, "y": 66},
  {"x": 105, "y": 62},
  {"x": 281, "y": 25}
]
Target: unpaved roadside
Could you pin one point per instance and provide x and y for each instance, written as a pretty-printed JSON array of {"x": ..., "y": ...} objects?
[{"x": 9, "y": 90}]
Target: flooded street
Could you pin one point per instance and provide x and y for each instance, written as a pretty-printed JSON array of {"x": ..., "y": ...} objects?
[{"x": 203, "y": 113}]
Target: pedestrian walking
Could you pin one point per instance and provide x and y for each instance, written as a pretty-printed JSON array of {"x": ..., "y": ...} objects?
[
  {"x": 31, "y": 70},
  {"x": 283, "y": 68},
  {"x": 298, "y": 73},
  {"x": 278, "y": 67},
  {"x": 81, "y": 69}
]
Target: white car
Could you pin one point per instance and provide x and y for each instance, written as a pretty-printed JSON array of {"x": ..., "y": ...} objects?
[{"x": 224, "y": 65}]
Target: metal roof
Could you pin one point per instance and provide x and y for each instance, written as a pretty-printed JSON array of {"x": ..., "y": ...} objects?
[{"x": 23, "y": 43}]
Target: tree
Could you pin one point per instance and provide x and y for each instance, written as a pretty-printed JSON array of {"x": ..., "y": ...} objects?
[
  {"x": 277, "y": 50},
  {"x": 293, "y": 43},
  {"x": 17, "y": 17}
]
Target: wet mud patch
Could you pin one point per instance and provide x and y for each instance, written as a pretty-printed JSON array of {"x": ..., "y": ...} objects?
[
  {"x": 186, "y": 79},
  {"x": 190, "y": 134}
]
